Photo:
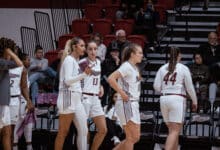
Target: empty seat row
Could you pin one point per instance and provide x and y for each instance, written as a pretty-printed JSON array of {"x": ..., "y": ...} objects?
[
  {"x": 102, "y": 26},
  {"x": 97, "y": 11}
]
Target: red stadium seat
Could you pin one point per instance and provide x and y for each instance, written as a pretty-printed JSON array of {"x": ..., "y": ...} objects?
[
  {"x": 93, "y": 11},
  {"x": 138, "y": 39},
  {"x": 86, "y": 37},
  {"x": 102, "y": 26},
  {"x": 104, "y": 3},
  {"x": 110, "y": 11},
  {"x": 63, "y": 39},
  {"x": 80, "y": 26},
  {"x": 51, "y": 56},
  {"x": 108, "y": 38},
  {"x": 125, "y": 24},
  {"x": 168, "y": 4}
]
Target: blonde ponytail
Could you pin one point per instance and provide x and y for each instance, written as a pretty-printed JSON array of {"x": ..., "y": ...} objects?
[
  {"x": 69, "y": 47},
  {"x": 67, "y": 50}
]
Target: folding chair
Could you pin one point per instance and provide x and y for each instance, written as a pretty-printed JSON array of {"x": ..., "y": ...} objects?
[
  {"x": 216, "y": 128},
  {"x": 197, "y": 132}
]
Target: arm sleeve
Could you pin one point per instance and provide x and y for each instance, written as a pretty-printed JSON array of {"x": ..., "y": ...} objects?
[
  {"x": 189, "y": 86},
  {"x": 69, "y": 68},
  {"x": 33, "y": 64},
  {"x": 44, "y": 65},
  {"x": 158, "y": 81},
  {"x": 7, "y": 64}
]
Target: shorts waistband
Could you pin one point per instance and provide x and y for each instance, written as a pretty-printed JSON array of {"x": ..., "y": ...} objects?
[
  {"x": 166, "y": 94},
  {"x": 90, "y": 94},
  {"x": 13, "y": 96}
]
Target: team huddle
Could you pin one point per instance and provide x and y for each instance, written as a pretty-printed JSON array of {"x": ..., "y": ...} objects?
[{"x": 80, "y": 90}]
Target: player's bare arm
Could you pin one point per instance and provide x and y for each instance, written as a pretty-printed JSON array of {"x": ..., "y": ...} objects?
[
  {"x": 112, "y": 79},
  {"x": 25, "y": 90}
]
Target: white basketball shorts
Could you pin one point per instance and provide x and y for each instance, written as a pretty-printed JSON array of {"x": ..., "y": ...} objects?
[{"x": 173, "y": 108}]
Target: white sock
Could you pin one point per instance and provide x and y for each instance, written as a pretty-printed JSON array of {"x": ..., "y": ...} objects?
[
  {"x": 15, "y": 147},
  {"x": 29, "y": 147}
]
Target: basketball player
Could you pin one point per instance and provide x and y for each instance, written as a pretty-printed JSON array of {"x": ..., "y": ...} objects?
[
  {"x": 173, "y": 80},
  {"x": 69, "y": 98},
  {"x": 6, "y": 52},
  {"x": 92, "y": 90},
  {"x": 23, "y": 105},
  {"x": 128, "y": 86}
]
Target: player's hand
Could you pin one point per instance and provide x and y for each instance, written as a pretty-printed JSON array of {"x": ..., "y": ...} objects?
[
  {"x": 124, "y": 96},
  {"x": 194, "y": 107},
  {"x": 88, "y": 70},
  {"x": 30, "y": 106}
]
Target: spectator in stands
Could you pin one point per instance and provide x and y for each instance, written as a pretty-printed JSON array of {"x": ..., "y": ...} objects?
[
  {"x": 146, "y": 22},
  {"x": 112, "y": 120},
  {"x": 133, "y": 7},
  {"x": 97, "y": 37},
  {"x": 211, "y": 57},
  {"x": 109, "y": 65},
  {"x": 206, "y": 4},
  {"x": 211, "y": 50},
  {"x": 122, "y": 13},
  {"x": 6, "y": 48},
  {"x": 200, "y": 76},
  {"x": 38, "y": 66},
  {"x": 120, "y": 43}
]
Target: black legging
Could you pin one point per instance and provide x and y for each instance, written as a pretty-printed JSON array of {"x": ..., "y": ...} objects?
[{"x": 113, "y": 128}]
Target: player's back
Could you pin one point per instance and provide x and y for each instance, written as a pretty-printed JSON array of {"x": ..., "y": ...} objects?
[{"x": 174, "y": 82}]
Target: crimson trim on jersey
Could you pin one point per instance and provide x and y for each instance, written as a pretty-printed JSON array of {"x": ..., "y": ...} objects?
[
  {"x": 90, "y": 94},
  {"x": 166, "y": 94}
]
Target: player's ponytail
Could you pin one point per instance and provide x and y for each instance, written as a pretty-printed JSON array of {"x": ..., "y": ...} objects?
[
  {"x": 69, "y": 48},
  {"x": 174, "y": 53},
  {"x": 126, "y": 53}
]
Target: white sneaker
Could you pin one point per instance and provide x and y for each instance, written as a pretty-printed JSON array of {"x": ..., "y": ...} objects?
[{"x": 116, "y": 140}]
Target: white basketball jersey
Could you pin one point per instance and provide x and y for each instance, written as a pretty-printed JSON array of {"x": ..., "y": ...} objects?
[
  {"x": 91, "y": 83},
  {"x": 176, "y": 83},
  {"x": 130, "y": 81},
  {"x": 15, "y": 80},
  {"x": 73, "y": 69}
]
